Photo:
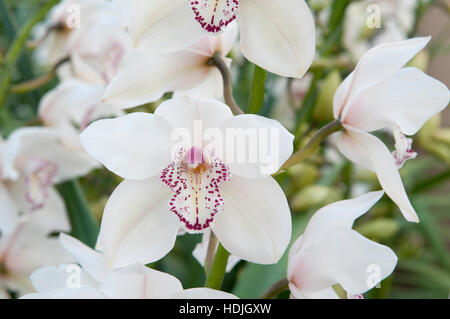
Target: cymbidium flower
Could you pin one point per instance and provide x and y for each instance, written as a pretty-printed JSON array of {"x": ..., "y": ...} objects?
[
  {"x": 146, "y": 77},
  {"x": 194, "y": 182},
  {"x": 71, "y": 106},
  {"x": 330, "y": 252},
  {"x": 276, "y": 35},
  {"x": 26, "y": 249},
  {"x": 68, "y": 17},
  {"x": 96, "y": 280},
  {"x": 396, "y": 20},
  {"x": 32, "y": 161},
  {"x": 99, "y": 48},
  {"x": 380, "y": 94}
]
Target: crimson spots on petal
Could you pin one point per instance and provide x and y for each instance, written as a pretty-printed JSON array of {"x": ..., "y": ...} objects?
[
  {"x": 215, "y": 15},
  {"x": 197, "y": 197}
]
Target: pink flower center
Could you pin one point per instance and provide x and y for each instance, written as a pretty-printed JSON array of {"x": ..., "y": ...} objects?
[
  {"x": 214, "y": 15},
  {"x": 195, "y": 182},
  {"x": 38, "y": 182}
]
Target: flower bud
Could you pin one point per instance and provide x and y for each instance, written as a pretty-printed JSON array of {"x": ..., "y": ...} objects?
[
  {"x": 315, "y": 195},
  {"x": 380, "y": 228},
  {"x": 323, "y": 111}
]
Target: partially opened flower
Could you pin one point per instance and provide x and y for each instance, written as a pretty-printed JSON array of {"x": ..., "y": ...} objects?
[
  {"x": 26, "y": 249},
  {"x": 95, "y": 280},
  {"x": 381, "y": 94},
  {"x": 276, "y": 35},
  {"x": 195, "y": 182},
  {"x": 146, "y": 77},
  {"x": 330, "y": 252}
]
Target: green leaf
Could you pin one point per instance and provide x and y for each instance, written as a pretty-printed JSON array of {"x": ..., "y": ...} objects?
[
  {"x": 258, "y": 90},
  {"x": 84, "y": 226}
]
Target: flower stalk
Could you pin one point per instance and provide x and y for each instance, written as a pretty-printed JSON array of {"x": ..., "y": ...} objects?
[
  {"x": 17, "y": 46},
  {"x": 39, "y": 81},
  {"x": 220, "y": 64},
  {"x": 215, "y": 277},
  {"x": 313, "y": 144},
  {"x": 276, "y": 289},
  {"x": 212, "y": 244}
]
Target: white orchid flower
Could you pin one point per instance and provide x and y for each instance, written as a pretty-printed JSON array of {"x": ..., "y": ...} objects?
[
  {"x": 96, "y": 280},
  {"x": 379, "y": 94},
  {"x": 99, "y": 48},
  {"x": 53, "y": 36},
  {"x": 330, "y": 252},
  {"x": 146, "y": 77},
  {"x": 171, "y": 183},
  {"x": 369, "y": 23},
  {"x": 276, "y": 35},
  {"x": 71, "y": 106},
  {"x": 32, "y": 160},
  {"x": 26, "y": 249}
]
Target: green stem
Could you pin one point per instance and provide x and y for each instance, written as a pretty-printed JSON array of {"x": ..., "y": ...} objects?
[
  {"x": 84, "y": 226},
  {"x": 40, "y": 81},
  {"x": 215, "y": 277},
  {"x": 16, "y": 48},
  {"x": 256, "y": 99},
  {"x": 217, "y": 61},
  {"x": 313, "y": 144},
  {"x": 212, "y": 246},
  {"x": 276, "y": 289}
]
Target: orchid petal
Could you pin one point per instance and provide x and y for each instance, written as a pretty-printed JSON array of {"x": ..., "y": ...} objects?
[
  {"x": 162, "y": 26},
  {"x": 255, "y": 146},
  {"x": 145, "y": 78},
  {"x": 203, "y": 293},
  {"x": 28, "y": 145},
  {"x": 253, "y": 226},
  {"x": 278, "y": 35},
  {"x": 330, "y": 252},
  {"x": 368, "y": 151},
  {"x": 93, "y": 262},
  {"x": 9, "y": 214},
  {"x": 140, "y": 282},
  {"x": 184, "y": 112},
  {"x": 137, "y": 225},
  {"x": 408, "y": 99},
  {"x": 376, "y": 66},
  {"x": 135, "y": 146}
]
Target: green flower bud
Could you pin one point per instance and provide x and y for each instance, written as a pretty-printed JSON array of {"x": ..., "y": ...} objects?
[{"x": 323, "y": 110}]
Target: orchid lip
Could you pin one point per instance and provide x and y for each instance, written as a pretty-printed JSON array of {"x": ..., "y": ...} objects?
[
  {"x": 215, "y": 15},
  {"x": 196, "y": 184}
]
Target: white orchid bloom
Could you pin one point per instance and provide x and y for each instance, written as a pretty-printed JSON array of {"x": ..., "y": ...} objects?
[
  {"x": 71, "y": 107},
  {"x": 32, "y": 160},
  {"x": 146, "y": 77},
  {"x": 64, "y": 20},
  {"x": 369, "y": 23},
  {"x": 276, "y": 35},
  {"x": 96, "y": 280},
  {"x": 171, "y": 183},
  {"x": 381, "y": 94},
  {"x": 98, "y": 49},
  {"x": 330, "y": 252},
  {"x": 26, "y": 249}
]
